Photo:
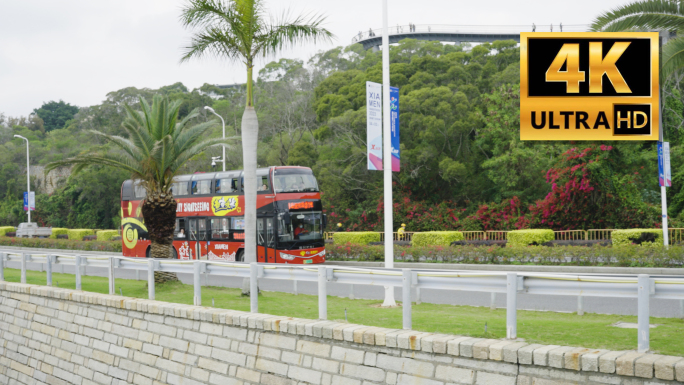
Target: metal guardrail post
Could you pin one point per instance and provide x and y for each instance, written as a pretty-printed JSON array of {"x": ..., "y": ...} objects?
[
  {"x": 150, "y": 278},
  {"x": 406, "y": 298},
  {"x": 197, "y": 299},
  {"x": 2, "y": 266},
  {"x": 78, "y": 272},
  {"x": 580, "y": 305},
  {"x": 511, "y": 306},
  {"x": 253, "y": 287},
  {"x": 110, "y": 275},
  {"x": 492, "y": 301},
  {"x": 322, "y": 293},
  {"x": 294, "y": 287},
  {"x": 23, "y": 267},
  {"x": 351, "y": 291},
  {"x": 48, "y": 269},
  {"x": 643, "y": 297}
]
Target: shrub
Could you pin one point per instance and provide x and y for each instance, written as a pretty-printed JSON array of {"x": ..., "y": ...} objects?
[
  {"x": 356, "y": 237},
  {"x": 5, "y": 229},
  {"x": 106, "y": 235},
  {"x": 529, "y": 237},
  {"x": 637, "y": 236},
  {"x": 64, "y": 244},
  {"x": 624, "y": 256},
  {"x": 480, "y": 243},
  {"x": 436, "y": 238},
  {"x": 78, "y": 234},
  {"x": 11, "y": 234},
  {"x": 58, "y": 231}
]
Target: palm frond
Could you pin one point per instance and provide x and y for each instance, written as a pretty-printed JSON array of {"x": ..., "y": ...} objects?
[
  {"x": 673, "y": 58},
  {"x": 287, "y": 34},
  {"x": 129, "y": 147},
  {"x": 648, "y": 14}
]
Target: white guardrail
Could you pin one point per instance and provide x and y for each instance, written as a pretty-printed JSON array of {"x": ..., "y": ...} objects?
[{"x": 641, "y": 286}]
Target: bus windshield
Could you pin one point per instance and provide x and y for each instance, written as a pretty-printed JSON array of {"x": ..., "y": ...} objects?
[
  {"x": 294, "y": 180},
  {"x": 305, "y": 226}
]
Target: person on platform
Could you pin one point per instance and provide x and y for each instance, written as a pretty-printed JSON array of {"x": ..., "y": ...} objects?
[
  {"x": 339, "y": 228},
  {"x": 181, "y": 233},
  {"x": 401, "y": 231}
]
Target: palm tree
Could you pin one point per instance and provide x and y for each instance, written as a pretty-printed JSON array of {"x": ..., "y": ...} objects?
[
  {"x": 158, "y": 145},
  {"x": 239, "y": 30},
  {"x": 649, "y": 15}
]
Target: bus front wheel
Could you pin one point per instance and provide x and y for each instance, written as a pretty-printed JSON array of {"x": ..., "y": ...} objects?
[
  {"x": 240, "y": 256},
  {"x": 147, "y": 253},
  {"x": 175, "y": 253}
]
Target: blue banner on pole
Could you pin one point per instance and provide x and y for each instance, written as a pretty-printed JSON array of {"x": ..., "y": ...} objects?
[
  {"x": 25, "y": 200},
  {"x": 394, "y": 125},
  {"x": 664, "y": 172}
]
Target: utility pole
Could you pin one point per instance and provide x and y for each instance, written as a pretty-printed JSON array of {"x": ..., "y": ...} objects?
[
  {"x": 28, "y": 178},
  {"x": 387, "y": 155}
]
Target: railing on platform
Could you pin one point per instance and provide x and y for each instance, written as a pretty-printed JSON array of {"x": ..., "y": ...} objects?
[
  {"x": 676, "y": 235},
  {"x": 599, "y": 234},
  {"x": 474, "y": 235},
  {"x": 639, "y": 286},
  {"x": 570, "y": 235}
]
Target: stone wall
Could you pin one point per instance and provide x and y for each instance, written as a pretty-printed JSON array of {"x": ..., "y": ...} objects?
[
  {"x": 59, "y": 336},
  {"x": 50, "y": 182}
]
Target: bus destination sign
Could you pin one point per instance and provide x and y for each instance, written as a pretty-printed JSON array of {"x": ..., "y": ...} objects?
[{"x": 589, "y": 86}]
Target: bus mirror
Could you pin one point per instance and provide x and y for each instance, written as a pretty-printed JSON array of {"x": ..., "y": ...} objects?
[{"x": 325, "y": 221}]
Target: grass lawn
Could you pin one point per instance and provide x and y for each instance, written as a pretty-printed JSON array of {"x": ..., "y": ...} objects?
[{"x": 589, "y": 330}]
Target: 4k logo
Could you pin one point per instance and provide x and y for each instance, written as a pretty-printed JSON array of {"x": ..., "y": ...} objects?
[{"x": 589, "y": 86}]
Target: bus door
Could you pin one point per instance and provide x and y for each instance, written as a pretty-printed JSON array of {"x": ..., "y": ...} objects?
[
  {"x": 266, "y": 240},
  {"x": 198, "y": 236}
]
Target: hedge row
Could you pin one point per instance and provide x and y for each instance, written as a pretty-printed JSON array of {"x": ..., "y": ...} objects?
[
  {"x": 58, "y": 231},
  {"x": 356, "y": 237},
  {"x": 61, "y": 244},
  {"x": 78, "y": 234},
  {"x": 106, "y": 235},
  {"x": 529, "y": 237},
  {"x": 637, "y": 236},
  {"x": 625, "y": 256},
  {"x": 436, "y": 238},
  {"x": 5, "y": 229}
]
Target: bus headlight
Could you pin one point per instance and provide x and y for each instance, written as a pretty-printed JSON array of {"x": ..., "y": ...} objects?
[{"x": 287, "y": 257}]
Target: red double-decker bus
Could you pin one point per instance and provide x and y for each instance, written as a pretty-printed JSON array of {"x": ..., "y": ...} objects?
[{"x": 210, "y": 220}]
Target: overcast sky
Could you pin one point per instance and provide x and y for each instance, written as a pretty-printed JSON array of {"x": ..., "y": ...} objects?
[{"x": 79, "y": 50}]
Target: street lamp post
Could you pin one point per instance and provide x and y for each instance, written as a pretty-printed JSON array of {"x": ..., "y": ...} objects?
[
  {"x": 28, "y": 177},
  {"x": 387, "y": 156},
  {"x": 223, "y": 159}
]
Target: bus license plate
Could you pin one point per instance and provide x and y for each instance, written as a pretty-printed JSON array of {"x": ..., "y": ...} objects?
[{"x": 308, "y": 261}]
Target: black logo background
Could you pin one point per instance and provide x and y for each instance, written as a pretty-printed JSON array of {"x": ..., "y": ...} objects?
[{"x": 634, "y": 65}]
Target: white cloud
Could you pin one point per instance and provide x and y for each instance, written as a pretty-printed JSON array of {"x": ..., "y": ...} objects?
[{"x": 79, "y": 50}]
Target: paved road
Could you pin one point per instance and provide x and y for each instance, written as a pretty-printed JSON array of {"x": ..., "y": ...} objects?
[{"x": 622, "y": 306}]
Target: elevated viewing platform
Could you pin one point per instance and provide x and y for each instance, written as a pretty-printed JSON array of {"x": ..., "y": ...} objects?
[{"x": 458, "y": 33}]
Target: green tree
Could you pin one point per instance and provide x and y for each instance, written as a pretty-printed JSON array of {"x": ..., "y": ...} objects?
[
  {"x": 158, "y": 145},
  {"x": 240, "y": 30},
  {"x": 55, "y": 114}
]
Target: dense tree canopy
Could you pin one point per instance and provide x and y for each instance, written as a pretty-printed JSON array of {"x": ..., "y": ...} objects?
[
  {"x": 463, "y": 164},
  {"x": 55, "y": 114}
]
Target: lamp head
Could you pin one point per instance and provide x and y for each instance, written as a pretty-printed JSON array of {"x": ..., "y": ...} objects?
[{"x": 208, "y": 108}]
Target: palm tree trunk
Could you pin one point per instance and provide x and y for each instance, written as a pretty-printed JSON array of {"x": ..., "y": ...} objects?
[
  {"x": 250, "y": 134},
  {"x": 159, "y": 213}
]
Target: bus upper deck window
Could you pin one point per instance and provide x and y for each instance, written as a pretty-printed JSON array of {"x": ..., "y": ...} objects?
[
  {"x": 201, "y": 187},
  {"x": 226, "y": 185}
]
